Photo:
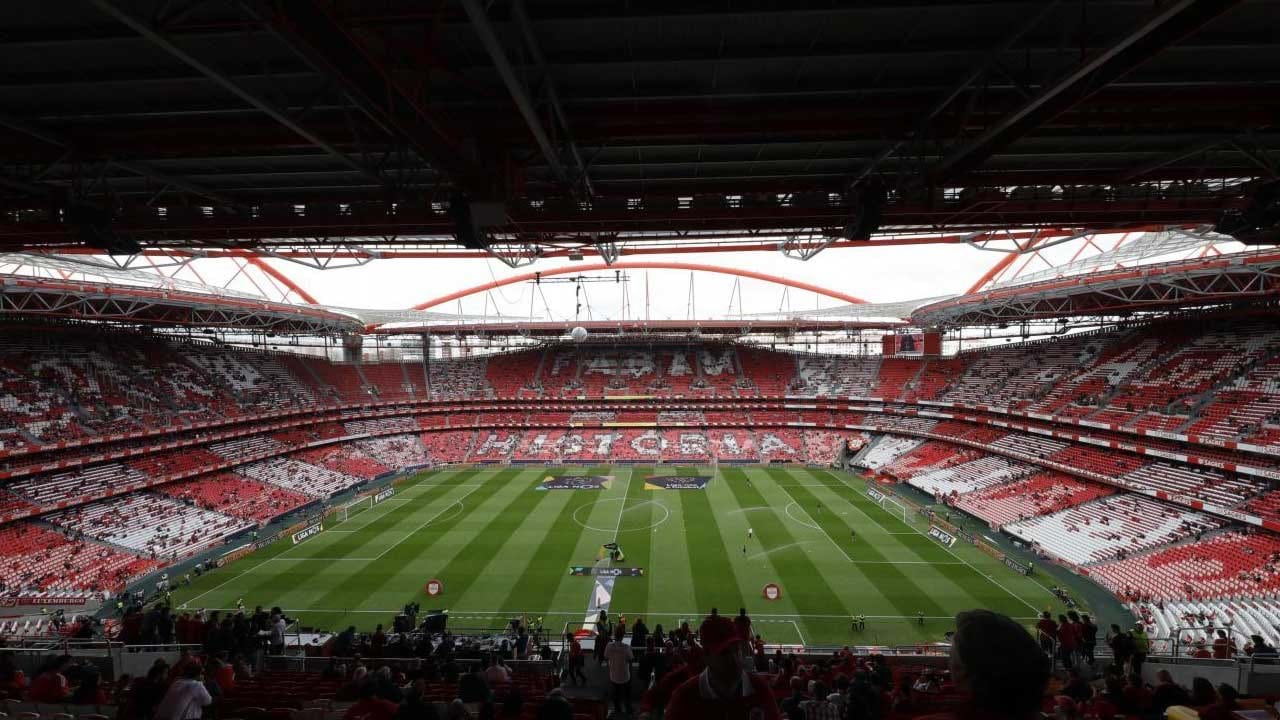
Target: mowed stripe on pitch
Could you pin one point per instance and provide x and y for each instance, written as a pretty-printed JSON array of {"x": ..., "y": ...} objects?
[{"x": 715, "y": 583}]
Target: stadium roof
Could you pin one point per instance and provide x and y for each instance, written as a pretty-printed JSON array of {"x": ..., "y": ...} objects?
[{"x": 564, "y": 123}]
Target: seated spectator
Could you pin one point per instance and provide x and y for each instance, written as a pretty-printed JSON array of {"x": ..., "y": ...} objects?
[
  {"x": 1137, "y": 696},
  {"x": 371, "y": 707},
  {"x": 186, "y": 697},
  {"x": 90, "y": 691},
  {"x": 497, "y": 673},
  {"x": 999, "y": 667},
  {"x": 13, "y": 682},
  {"x": 724, "y": 689},
  {"x": 50, "y": 685},
  {"x": 1223, "y": 707},
  {"x": 1110, "y": 701},
  {"x": 555, "y": 707},
  {"x": 1167, "y": 693},
  {"x": 1076, "y": 687},
  {"x": 1202, "y": 693}
]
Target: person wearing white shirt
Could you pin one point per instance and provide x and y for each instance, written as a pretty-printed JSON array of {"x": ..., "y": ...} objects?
[
  {"x": 618, "y": 656},
  {"x": 187, "y": 697}
]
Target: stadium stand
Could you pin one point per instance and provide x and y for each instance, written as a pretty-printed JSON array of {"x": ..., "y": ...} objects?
[
  {"x": 968, "y": 476},
  {"x": 1040, "y": 494},
  {"x": 153, "y": 525},
  {"x": 346, "y": 459},
  {"x": 231, "y": 494},
  {"x": 493, "y": 446},
  {"x": 821, "y": 447},
  {"x": 395, "y": 451},
  {"x": 448, "y": 447},
  {"x": 39, "y": 560},
  {"x": 1226, "y": 565},
  {"x": 1102, "y": 529},
  {"x": 312, "y": 480},
  {"x": 733, "y": 445},
  {"x": 780, "y": 445}
]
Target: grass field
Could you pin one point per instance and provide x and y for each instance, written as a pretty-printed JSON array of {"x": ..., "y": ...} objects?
[{"x": 502, "y": 547}]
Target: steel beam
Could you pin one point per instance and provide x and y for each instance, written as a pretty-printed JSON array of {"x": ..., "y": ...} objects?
[
  {"x": 1172, "y": 22},
  {"x": 326, "y": 44},
  {"x": 161, "y": 41},
  {"x": 480, "y": 21},
  {"x": 137, "y": 168}
]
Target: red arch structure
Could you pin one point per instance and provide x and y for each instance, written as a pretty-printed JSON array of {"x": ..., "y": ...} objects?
[{"x": 638, "y": 265}]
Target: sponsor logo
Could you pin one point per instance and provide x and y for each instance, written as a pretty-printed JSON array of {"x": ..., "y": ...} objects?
[
  {"x": 669, "y": 482},
  {"x": 1017, "y": 566},
  {"x": 583, "y": 570},
  {"x": 265, "y": 541},
  {"x": 21, "y": 600},
  {"x": 875, "y": 495},
  {"x": 307, "y": 532},
  {"x": 772, "y": 592},
  {"x": 434, "y": 587},
  {"x": 941, "y": 535},
  {"x": 383, "y": 495},
  {"x": 568, "y": 482}
]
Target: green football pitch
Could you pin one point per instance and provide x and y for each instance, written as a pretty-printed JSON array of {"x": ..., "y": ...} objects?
[{"x": 502, "y": 547}]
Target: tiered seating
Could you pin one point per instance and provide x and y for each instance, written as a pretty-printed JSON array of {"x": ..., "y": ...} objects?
[
  {"x": 231, "y": 494},
  {"x": 494, "y": 446},
  {"x": 967, "y": 431},
  {"x": 1208, "y": 485},
  {"x": 496, "y": 418},
  {"x": 1017, "y": 375},
  {"x": 459, "y": 378},
  {"x": 887, "y": 449},
  {"x": 926, "y": 456},
  {"x": 681, "y": 417},
  {"x": 448, "y": 447},
  {"x": 560, "y": 373},
  {"x": 1245, "y": 405},
  {"x": 48, "y": 490},
  {"x": 1033, "y": 445},
  {"x": 256, "y": 378},
  {"x": 515, "y": 374},
  {"x": 1099, "y": 460},
  {"x": 539, "y": 446},
  {"x": 1243, "y": 617},
  {"x": 676, "y": 373},
  {"x": 638, "y": 446},
  {"x": 388, "y": 380},
  {"x": 312, "y": 432},
  {"x": 243, "y": 447},
  {"x": 10, "y": 502},
  {"x": 313, "y": 480},
  {"x": 895, "y": 373},
  {"x": 1232, "y": 564},
  {"x": 36, "y": 559},
  {"x": 594, "y": 446},
  {"x": 150, "y": 524},
  {"x": 835, "y": 377},
  {"x": 685, "y": 446},
  {"x": 717, "y": 372},
  {"x": 821, "y": 447},
  {"x": 1110, "y": 527},
  {"x": 779, "y": 445},
  {"x": 395, "y": 451},
  {"x": 733, "y": 445},
  {"x": 1040, "y": 494},
  {"x": 164, "y": 464},
  {"x": 347, "y": 459},
  {"x": 938, "y": 375},
  {"x": 969, "y": 476},
  {"x": 380, "y": 426},
  {"x": 770, "y": 372}
]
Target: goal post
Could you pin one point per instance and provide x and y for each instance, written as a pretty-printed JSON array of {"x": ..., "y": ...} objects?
[
  {"x": 355, "y": 507},
  {"x": 888, "y": 503}
]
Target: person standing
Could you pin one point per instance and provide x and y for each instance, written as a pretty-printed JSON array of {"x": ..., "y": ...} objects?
[
  {"x": 1047, "y": 633},
  {"x": 573, "y": 668},
  {"x": 1141, "y": 646},
  {"x": 618, "y": 655},
  {"x": 1121, "y": 644},
  {"x": 187, "y": 697},
  {"x": 1088, "y": 639}
]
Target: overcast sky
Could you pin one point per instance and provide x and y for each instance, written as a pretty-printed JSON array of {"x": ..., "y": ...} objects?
[{"x": 875, "y": 274}]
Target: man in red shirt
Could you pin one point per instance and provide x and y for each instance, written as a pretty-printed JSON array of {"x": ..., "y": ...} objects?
[
  {"x": 1224, "y": 647},
  {"x": 50, "y": 686},
  {"x": 1047, "y": 632},
  {"x": 725, "y": 689}
]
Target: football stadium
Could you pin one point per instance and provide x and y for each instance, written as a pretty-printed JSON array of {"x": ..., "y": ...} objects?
[{"x": 573, "y": 360}]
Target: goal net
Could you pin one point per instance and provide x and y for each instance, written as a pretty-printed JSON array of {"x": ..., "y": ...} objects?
[
  {"x": 355, "y": 507},
  {"x": 890, "y": 505}
]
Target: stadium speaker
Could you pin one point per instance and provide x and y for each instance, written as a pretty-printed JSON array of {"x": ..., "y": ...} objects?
[
  {"x": 1259, "y": 222},
  {"x": 436, "y": 621},
  {"x": 92, "y": 226},
  {"x": 866, "y": 207},
  {"x": 471, "y": 219}
]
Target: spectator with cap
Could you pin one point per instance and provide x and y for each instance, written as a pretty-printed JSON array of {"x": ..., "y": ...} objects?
[
  {"x": 999, "y": 668},
  {"x": 724, "y": 689}
]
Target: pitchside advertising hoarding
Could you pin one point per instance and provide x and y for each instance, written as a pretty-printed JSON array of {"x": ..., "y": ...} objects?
[
  {"x": 582, "y": 482},
  {"x": 875, "y": 495},
  {"x": 941, "y": 535},
  {"x": 384, "y": 495},
  {"x": 307, "y": 532},
  {"x": 585, "y": 570},
  {"x": 671, "y": 482}
]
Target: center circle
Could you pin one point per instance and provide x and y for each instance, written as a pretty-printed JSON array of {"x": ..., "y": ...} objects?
[{"x": 622, "y": 525}]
